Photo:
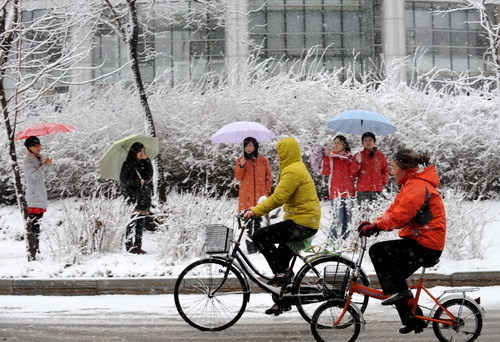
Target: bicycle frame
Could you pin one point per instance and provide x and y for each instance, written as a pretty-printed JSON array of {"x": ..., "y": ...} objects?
[{"x": 248, "y": 269}]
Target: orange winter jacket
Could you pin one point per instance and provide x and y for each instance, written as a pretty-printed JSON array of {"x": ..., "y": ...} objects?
[
  {"x": 255, "y": 181},
  {"x": 418, "y": 210}
]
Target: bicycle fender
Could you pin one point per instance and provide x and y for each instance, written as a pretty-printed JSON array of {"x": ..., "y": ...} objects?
[
  {"x": 457, "y": 296},
  {"x": 237, "y": 267},
  {"x": 361, "y": 316}
]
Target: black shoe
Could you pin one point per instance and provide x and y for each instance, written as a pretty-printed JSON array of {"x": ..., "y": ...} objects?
[
  {"x": 398, "y": 297},
  {"x": 281, "y": 279},
  {"x": 136, "y": 250},
  {"x": 276, "y": 309},
  {"x": 416, "y": 325}
]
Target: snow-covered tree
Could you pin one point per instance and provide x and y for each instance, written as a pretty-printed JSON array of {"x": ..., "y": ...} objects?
[{"x": 36, "y": 56}]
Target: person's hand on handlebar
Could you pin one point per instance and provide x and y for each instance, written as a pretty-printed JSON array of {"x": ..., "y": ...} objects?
[
  {"x": 367, "y": 229},
  {"x": 248, "y": 214}
]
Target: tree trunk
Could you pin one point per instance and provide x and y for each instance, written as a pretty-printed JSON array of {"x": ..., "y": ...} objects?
[
  {"x": 6, "y": 46},
  {"x": 150, "y": 126}
]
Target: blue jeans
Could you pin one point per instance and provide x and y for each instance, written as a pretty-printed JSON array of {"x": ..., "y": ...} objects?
[{"x": 343, "y": 221}]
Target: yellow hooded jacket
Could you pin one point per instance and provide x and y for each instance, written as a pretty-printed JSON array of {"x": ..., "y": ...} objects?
[{"x": 295, "y": 189}]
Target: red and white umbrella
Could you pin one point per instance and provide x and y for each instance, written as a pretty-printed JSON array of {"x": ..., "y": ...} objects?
[{"x": 44, "y": 128}]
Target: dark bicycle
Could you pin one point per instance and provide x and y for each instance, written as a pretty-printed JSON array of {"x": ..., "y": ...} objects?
[{"x": 211, "y": 294}]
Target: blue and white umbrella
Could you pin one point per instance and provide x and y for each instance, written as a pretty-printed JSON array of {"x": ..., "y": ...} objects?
[{"x": 360, "y": 121}]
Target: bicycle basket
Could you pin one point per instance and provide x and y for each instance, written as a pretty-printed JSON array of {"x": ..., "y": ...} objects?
[
  {"x": 335, "y": 279},
  {"x": 217, "y": 238}
]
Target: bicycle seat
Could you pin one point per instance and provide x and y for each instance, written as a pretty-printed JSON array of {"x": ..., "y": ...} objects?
[
  {"x": 430, "y": 263},
  {"x": 297, "y": 246}
]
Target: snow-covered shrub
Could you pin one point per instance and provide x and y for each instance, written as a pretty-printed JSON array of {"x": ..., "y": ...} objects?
[
  {"x": 92, "y": 224},
  {"x": 457, "y": 125},
  {"x": 465, "y": 225},
  {"x": 12, "y": 225},
  {"x": 367, "y": 211},
  {"x": 181, "y": 234}
]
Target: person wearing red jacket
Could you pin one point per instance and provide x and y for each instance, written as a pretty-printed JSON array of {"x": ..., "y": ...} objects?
[
  {"x": 419, "y": 214},
  {"x": 254, "y": 173},
  {"x": 336, "y": 165},
  {"x": 370, "y": 169}
]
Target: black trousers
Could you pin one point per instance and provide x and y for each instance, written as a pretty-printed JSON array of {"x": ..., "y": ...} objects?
[
  {"x": 35, "y": 228},
  {"x": 137, "y": 223},
  {"x": 280, "y": 233},
  {"x": 394, "y": 262},
  {"x": 252, "y": 227}
]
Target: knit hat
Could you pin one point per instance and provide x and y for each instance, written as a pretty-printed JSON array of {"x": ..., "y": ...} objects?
[{"x": 31, "y": 141}]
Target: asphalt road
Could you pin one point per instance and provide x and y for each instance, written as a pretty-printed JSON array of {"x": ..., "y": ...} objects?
[{"x": 142, "y": 327}]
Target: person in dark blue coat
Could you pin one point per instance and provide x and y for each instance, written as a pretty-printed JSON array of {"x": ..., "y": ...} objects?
[{"x": 136, "y": 178}]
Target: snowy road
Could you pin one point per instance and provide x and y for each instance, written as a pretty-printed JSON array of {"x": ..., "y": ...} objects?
[
  {"x": 79, "y": 329},
  {"x": 154, "y": 318}
]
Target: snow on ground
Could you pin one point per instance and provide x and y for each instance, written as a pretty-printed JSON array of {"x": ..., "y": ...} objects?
[
  {"x": 159, "y": 306},
  {"x": 13, "y": 262}
]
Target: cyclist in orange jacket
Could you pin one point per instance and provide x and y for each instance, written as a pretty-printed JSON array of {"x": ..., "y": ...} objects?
[{"x": 419, "y": 214}]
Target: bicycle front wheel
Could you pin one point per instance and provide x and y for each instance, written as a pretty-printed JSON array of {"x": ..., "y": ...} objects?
[
  {"x": 208, "y": 300},
  {"x": 467, "y": 326},
  {"x": 308, "y": 285},
  {"x": 324, "y": 325}
]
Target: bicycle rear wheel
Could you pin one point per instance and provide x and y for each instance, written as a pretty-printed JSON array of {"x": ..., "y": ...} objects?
[
  {"x": 469, "y": 321},
  {"x": 308, "y": 285},
  {"x": 323, "y": 325},
  {"x": 206, "y": 299}
]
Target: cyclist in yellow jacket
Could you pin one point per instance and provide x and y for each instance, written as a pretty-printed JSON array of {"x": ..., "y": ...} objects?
[{"x": 296, "y": 192}]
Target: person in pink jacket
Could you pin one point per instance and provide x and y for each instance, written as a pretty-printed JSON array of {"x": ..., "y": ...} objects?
[
  {"x": 370, "y": 168},
  {"x": 337, "y": 166}
]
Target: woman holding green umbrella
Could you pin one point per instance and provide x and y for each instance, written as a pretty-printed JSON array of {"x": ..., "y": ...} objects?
[{"x": 136, "y": 177}]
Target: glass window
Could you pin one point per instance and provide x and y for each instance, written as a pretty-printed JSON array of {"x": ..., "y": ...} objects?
[
  {"x": 340, "y": 28},
  {"x": 441, "y": 21},
  {"x": 423, "y": 18},
  {"x": 441, "y": 38},
  {"x": 459, "y": 20},
  {"x": 453, "y": 41}
]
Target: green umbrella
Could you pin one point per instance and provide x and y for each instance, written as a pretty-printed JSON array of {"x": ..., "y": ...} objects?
[{"x": 111, "y": 163}]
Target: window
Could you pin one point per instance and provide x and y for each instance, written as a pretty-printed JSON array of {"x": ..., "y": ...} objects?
[
  {"x": 453, "y": 41},
  {"x": 169, "y": 48},
  {"x": 339, "y": 29}
]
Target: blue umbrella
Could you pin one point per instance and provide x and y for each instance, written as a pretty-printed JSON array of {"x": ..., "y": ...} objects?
[{"x": 360, "y": 121}]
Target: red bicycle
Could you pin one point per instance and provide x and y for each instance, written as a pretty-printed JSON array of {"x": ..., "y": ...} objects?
[{"x": 454, "y": 316}]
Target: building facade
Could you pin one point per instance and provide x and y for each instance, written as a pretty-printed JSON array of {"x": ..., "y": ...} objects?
[{"x": 360, "y": 34}]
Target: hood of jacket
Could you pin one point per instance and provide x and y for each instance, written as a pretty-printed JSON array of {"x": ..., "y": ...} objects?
[
  {"x": 288, "y": 152},
  {"x": 429, "y": 174}
]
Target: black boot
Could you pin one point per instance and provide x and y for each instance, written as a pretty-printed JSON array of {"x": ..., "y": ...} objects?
[
  {"x": 129, "y": 247},
  {"x": 414, "y": 324}
]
